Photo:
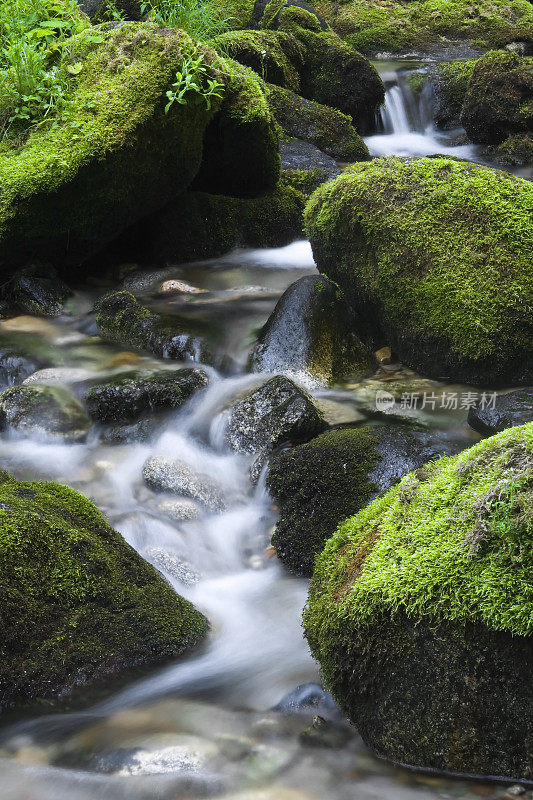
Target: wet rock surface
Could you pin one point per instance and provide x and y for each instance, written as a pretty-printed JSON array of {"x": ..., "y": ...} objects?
[
  {"x": 164, "y": 474},
  {"x": 123, "y": 320},
  {"x": 129, "y": 396},
  {"x": 515, "y": 408},
  {"x": 276, "y": 412},
  {"x": 310, "y": 335},
  {"x": 300, "y": 155},
  {"x": 36, "y": 290},
  {"x": 46, "y": 412}
]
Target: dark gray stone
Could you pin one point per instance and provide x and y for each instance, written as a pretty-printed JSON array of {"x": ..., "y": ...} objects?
[
  {"x": 50, "y": 413},
  {"x": 510, "y": 410}
]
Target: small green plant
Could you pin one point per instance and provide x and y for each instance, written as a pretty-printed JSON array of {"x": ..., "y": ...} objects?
[
  {"x": 193, "y": 84},
  {"x": 34, "y": 73},
  {"x": 201, "y": 19}
]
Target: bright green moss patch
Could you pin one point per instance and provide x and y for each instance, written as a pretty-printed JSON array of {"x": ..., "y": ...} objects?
[
  {"x": 78, "y": 604},
  {"x": 438, "y": 250},
  {"x": 453, "y": 541},
  {"x": 384, "y": 25}
]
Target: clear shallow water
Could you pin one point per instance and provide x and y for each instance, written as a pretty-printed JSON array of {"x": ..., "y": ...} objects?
[{"x": 203, "y": 726}]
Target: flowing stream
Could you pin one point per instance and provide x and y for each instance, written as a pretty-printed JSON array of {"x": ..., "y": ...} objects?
[{"x": 205, "y": 726}]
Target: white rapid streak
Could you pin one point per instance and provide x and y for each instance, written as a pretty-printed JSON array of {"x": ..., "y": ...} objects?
[{"x": 394, "y": 113}]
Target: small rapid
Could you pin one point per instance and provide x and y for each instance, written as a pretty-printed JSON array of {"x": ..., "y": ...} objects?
[{"x": 406, "y": 125}]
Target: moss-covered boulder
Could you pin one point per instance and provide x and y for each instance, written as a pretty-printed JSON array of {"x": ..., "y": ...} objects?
[
  {"x": 48, "y": 413},
  {"x": 308, "y": 336},
  {"x": 114, "y": 156},
  {"x": 319, "y": 484},
  {"x": 499, "y": 100},
  {"x": 123, "y": 320},
  {"x": 240, "y": 155},
  {"x": 421, "y": 613},
  {"x": 130, "y": 396},
  {"x": 450, "y": 80},
  {"x": 516, "y": 151},
  {"x": 333, "y": 73},
  {"x": 325, "y": 127},
  {"x": 429, "y": 25},
  {"x": 508, "y": 411},
  {"x": 199, "y": 225},
  {"x": 275, "y": 56},
  {"x": 79, "y": 606},
  {"x": 433, "y": 256}
]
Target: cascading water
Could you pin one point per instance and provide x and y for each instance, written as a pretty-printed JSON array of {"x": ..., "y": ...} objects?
[{"x": 405, "y": 125}]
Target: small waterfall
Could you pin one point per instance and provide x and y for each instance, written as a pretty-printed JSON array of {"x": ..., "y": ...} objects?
[{"x": 405, "y": 125}]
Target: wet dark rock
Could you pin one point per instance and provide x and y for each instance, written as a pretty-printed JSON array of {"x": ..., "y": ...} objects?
[
  {"x": 299, "y": 155},
  {"x": 50, "y": 413},
  {"x": 326, "y": 128},
  {"x": 318, "y": 484},
  {"x": 141, "y": 431},
  {"x": 266, "y": 417},
  {"x": 79, "y": 605},
  {"x": 99, "y": 10},
  {"x": 36, "y": 290},
  {"x": 305, "y": 697},
  {"x": 164, "y": 474},
  {"x": 126, "y": 398},
  {"x": 325, "y": 733},
  {"x": 14, "y": 368},
  {"x": 123, "y": 320},
  {"x": 310, "y": 335},
  {"x": 510, "y": 410}
]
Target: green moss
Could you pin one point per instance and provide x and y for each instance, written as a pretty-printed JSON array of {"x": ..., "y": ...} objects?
[
  {"x": 439, "y": 251},
  {"x": 451, "y": 542},
  {"x": 309, "y": 485},
  {"x": 216, "y": 224},
  {"x": 516, "y": 151},
  {"x": 122, "y": 319},
  {"x": 384, "y": 25},
  {"x": 241, "y": 144},
  {"x": 326, "y": 128},
  {"x": 452, "y": 79},
  {"x": 333, "y": 72},
  {"x": 275, "y": 56},
  {"x": 237, "y": 13},
  {"x": 114, "y": 157},
  {"x": 304, "y": 181},
  {"x": 78, "y": 604},
  {"x": 499, "y": 98}
]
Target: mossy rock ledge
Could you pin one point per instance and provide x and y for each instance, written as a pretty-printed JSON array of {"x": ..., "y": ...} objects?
[
  {"x": 420, "y": 613},
  {"x": 79, "y": 606},
  {"x": 433, "y": 255}
]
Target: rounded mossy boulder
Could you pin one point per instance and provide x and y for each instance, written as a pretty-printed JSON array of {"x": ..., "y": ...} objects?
[
  {"x": 115, "y": 156},
  {"x": 450, "y": 81},
  {"x": 420, "y": 613},
  {"x": 499, "y": 99},
  {"x": 308, "y": 336},
  {"x": 429, "y": 25},
  {"x": 275, "y": 56},
  {"x": 333, "y": 73},
  {"x": 327, "y": 128},
  {"x": 79, "y": 606},
  {"x": 319, "y": 484},
  {"x": 433, "y": 255},
  {"x": 516, "y": 151},
  {"x": 240, "y": 155}
]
